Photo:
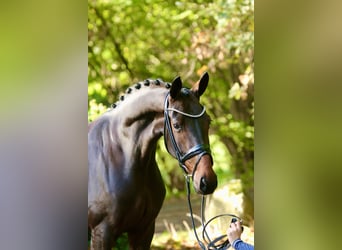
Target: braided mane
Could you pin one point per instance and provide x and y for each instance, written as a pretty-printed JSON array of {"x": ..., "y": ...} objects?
[{"x": 139, "y": 85}]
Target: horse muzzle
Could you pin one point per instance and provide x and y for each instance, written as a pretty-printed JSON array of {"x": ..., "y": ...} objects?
[{"x": 204, "y": 177}]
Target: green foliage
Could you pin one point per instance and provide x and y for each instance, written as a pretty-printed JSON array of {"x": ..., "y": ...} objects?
[
  {"x": 122, "y": 243},
  {"x": 131, "y": 40}
]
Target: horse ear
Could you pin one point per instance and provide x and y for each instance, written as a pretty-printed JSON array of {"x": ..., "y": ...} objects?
[
  {"x": 176, "y": 87},
  {"x": 201, "y": 85}
]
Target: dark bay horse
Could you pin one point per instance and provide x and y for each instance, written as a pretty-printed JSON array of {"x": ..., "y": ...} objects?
[{"x": 125, "y": 187}]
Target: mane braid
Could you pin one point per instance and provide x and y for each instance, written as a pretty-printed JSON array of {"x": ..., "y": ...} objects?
[{"x": 139, "y": 85}]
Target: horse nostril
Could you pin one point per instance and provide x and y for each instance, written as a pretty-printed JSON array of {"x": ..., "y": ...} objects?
[
  {"x": 207, "y": 187},
  {"x": 203, "y": 185}
]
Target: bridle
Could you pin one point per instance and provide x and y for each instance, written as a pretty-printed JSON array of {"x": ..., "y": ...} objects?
[{"x": 200, "y": 150}]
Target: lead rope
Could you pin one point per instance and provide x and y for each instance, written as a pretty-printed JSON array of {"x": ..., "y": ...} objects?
[
  {"x": 187, "y": 178},
  {"x": 210, "y": 243}
]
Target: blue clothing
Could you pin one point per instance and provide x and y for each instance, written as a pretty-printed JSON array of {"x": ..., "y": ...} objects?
[{"x": 240, "y": 245}]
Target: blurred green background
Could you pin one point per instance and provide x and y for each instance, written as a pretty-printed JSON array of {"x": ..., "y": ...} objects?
[{"x": 129, "y": 41}]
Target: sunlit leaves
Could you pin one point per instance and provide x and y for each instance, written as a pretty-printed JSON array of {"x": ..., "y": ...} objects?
[
  {"x": 235, "y": 91},
  {"x": 129, "y": 41},
  {"x": 95, "y": 110}
]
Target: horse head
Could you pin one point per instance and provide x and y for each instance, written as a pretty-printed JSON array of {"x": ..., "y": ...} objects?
[{"x": 186, "y": 133}]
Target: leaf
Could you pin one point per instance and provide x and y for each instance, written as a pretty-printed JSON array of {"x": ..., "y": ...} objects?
[{"x": 235, "y": 91}]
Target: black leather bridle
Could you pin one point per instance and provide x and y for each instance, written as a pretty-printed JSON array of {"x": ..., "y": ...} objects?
[{"x": 199, "y": 149}]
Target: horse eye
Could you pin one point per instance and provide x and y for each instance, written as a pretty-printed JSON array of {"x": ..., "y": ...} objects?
[{"x": 177, "y": 127}]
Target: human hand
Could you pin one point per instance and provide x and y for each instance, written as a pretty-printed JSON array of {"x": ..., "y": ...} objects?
[{"x": 234, "y": 231}]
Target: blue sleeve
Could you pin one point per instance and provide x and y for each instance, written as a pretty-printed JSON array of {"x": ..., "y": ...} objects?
[{"x": 240, "y": 245}]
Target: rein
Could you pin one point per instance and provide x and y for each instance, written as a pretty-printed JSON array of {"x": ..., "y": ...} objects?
[{"x": 200, "y": 149}]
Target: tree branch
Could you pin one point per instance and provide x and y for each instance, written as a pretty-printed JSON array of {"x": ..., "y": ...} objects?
[{"x": 115, "y": 43}]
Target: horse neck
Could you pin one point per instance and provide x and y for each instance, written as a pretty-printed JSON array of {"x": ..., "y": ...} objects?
[{"x": 142, "y": 121}]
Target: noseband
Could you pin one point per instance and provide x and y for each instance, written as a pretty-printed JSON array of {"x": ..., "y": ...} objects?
[{"x": 199, "y": 149}]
